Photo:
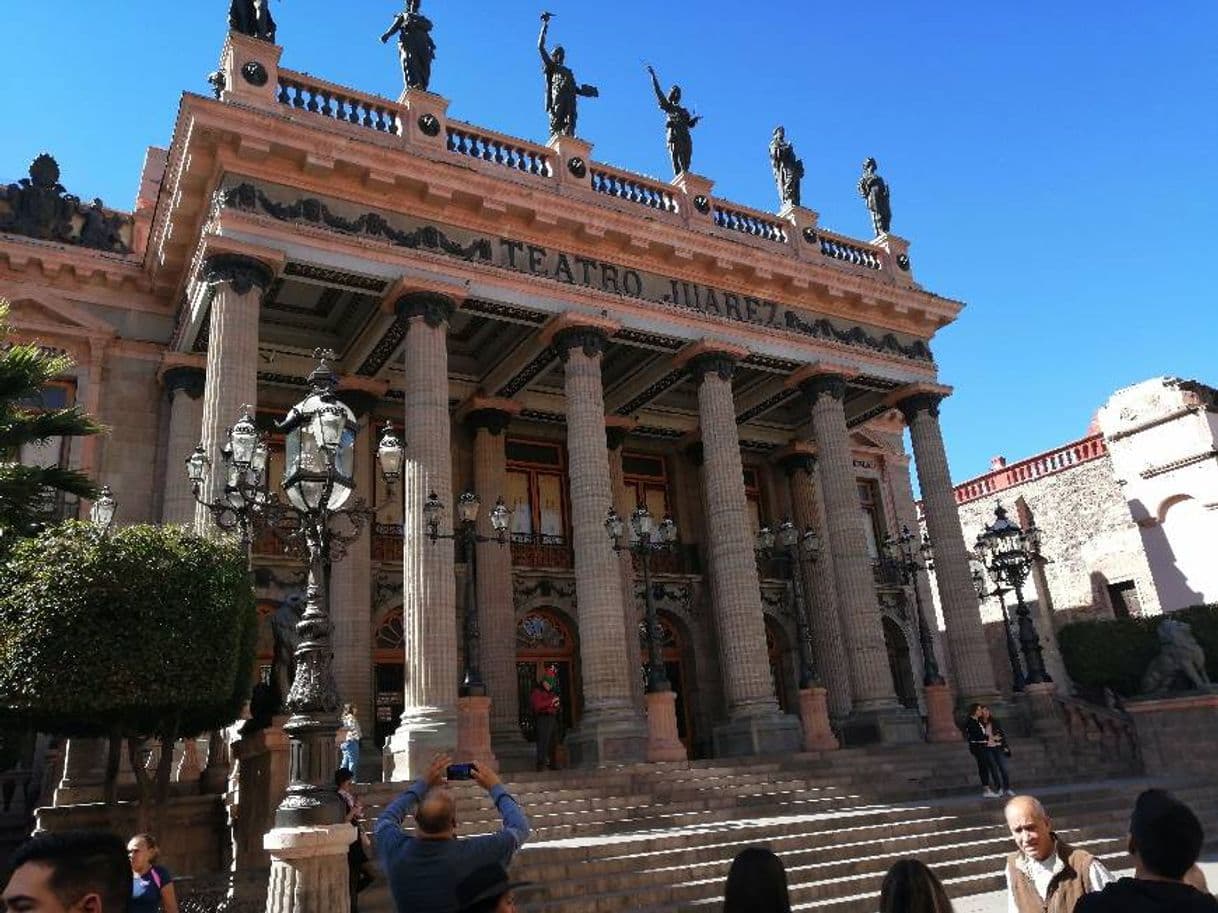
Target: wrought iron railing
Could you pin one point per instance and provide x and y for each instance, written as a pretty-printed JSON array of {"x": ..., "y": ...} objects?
[{"x": 541, "y": 550}]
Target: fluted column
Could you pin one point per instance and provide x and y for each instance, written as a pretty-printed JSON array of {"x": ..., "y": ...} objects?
[
  {"x": 238, "y": 284},
  {"x": 428, "y": 583},
  {"x": 351, "y": 577},
  {"x": 827, "y": 643},
  {"x": 966, "y": 643},
  {"x": 623, "y": 503},
  {"x": 611, "y": 729},
  {"x": 184, "y": 384},
  {"x": 754, "y": 725},
  {"x": 496, "y": 612}
]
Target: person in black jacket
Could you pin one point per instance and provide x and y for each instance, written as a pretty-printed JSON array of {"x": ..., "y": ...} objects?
[
  {"x": 998, "y": 751},
  {"x": 1165, "y": 839}
]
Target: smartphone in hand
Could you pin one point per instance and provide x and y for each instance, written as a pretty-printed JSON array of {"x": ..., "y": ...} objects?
[{"x": 460, "y": 772}]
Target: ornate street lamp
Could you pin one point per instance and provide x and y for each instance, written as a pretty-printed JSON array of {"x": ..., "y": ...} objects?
[
  {"x": 911, "y": 556},
  {"x": 318, "y": 482},
  {"x": 981, "y": 586},
  {"x": 466, "y": 532},
  {"x": 1008, "y": 552},
  {"x": 789, "y": 543},
  {"x": 102, "y": 512},
  {"x": 649, "y": 537}
]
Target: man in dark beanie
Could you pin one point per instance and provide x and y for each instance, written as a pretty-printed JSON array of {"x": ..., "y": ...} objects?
[{"x": 1165, "y": 839}]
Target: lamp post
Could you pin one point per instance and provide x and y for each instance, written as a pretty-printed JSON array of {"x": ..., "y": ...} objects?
[
  {"x": 318, "y": 482},
  {"x": 912, "y": 556},
  {"x": 663, "y": 738},
  {"x": 789, "y": 543},
  {"x": 466, "y": 532},
  {"x": 1008, "y": 552},
  {"x": 102, "y": 512},
  {"x": 983, "y": 592}
]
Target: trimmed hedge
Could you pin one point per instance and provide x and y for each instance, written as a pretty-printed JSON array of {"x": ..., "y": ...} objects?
[
  {"x": 148, "y": 630},
  {"x": 1114, "y": 653}
]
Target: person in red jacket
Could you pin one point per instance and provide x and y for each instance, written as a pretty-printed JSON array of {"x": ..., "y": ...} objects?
[{"x": 545, "y": 705}]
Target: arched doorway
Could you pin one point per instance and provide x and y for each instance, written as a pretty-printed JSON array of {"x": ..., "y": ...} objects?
[
  {"x": 672, "y": 645},
  {"x": 389, "y": 674},
  {"x": 900, "y": 664},
  {"x": 545, "y": 638},
  {"x": 780, "y": 665}
]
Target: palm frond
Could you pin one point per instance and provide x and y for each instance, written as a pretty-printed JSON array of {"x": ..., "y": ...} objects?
[{"x": 21, "y": 427}]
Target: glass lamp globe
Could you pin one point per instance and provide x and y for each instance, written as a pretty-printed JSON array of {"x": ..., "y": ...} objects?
[
  {"x": 389, "y": 454},
  {"x": 787, "y": 534},
  {"x": 668, "y": 530},
  {"x": 642, "y": 522},
  {"x": 467, "y": 507},
  {"x": 501, "y": 516},
  {"x": 765, "y": 539},
  {"x": 433, "y": 510},
  {"x": 196, "y": 466},
  {"x": 243, "y": 439},
  {"x": 102, "y": 511}
]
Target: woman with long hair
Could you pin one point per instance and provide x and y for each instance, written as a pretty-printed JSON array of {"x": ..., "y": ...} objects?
[
  {"x": 911, "y": 887},
  {"x": 756, "y": 883}
]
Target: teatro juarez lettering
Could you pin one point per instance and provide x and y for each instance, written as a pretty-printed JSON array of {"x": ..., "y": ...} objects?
[{"x": 556, "y": 266}]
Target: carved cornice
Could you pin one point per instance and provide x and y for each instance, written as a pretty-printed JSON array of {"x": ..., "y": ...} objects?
[
  {"x": 833, "y": 385},
  {"x": 184, "y": 379},
  {"x": 924, "y": 401},
  {"x": 241, "y": 273},
  {"x": 719, "y": 363},
  {"x": 436, "y": 310},
  {"x": 591, "y": 339}
]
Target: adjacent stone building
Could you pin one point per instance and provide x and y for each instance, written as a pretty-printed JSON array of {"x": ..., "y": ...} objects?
[{"x": 539, "y": 326}]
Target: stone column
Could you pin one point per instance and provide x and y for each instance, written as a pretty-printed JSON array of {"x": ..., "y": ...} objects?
[
  {"x": 961, "y": 616},
  {"x": 496, "y": 611},
  {"x": 876, "y": 715},
  {"x": 238, "y": 284},
  {"x": 184, "y": 385},
  {"x": 754, "y": 724},
  {"x": 611, "y": 730},
  {"x": 309, "y": 869},
  {"x": 827, "y": 642},
  {"x": 429, "y": 586},
  {"x": 623, "y": 503},
  {"x": 351, "y": 576}
]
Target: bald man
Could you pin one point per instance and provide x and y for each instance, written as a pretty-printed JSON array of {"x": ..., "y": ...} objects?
[
  {"x": 1046, "y": 874},
  {"x": 424, "y": 870}
]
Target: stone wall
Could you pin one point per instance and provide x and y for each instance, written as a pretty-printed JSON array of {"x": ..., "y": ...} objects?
[{"x": 130, "y": 459}]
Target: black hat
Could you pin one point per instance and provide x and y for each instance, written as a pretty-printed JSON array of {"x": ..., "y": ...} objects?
[{"x": 487, "y": 883}]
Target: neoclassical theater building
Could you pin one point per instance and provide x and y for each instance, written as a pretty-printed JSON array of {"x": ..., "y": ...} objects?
[{"x": 543, "y": 327}]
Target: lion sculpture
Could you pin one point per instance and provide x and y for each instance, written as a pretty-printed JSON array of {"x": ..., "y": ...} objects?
[{"x": 1180, "y": 656}]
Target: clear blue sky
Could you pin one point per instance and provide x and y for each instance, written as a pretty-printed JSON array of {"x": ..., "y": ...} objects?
[{"x": 1053, "y": 164}]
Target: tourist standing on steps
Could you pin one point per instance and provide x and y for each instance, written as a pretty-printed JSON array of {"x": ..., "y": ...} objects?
[
  {"x": 69, "y": 872},
  {"x": 974, "y": 734},
  {"x": 911, "y": 887},
  {"x": 1046, "y": 874},
  {"x": 424, "y": 870},
  {"x": 351, "y": 738},
  {"x": 1165, "y": 839},
  {"x": 360, "y": 873},
  {"x": 997, "y": 752},
  {"x": 152, "y": 889},
  {"x": 546, "y": 706},
  {"x": 756, "y": 883}
]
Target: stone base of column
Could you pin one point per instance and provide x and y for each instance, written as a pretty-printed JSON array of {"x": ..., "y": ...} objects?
[
  {"x": 420, "y": 736},
  {"x": 514, "y": 751},
  {"x": 940, "y": 715},
  {"x": 214, "y": 779},
  {"x": 309, "y": 869},
  {"x": 608, "y": 737},
  {"x": 884, "y": 725},
  {"x": 763, "y": 733},
  {"x": 814, "y": 715},
  {"x": 663, "y": 742},
  {"x": 1046, "y": 722},
  {"x": 474, "y": 732}
]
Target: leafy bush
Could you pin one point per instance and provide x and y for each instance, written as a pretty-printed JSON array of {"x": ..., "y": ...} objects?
[
  {"x": 148, "y": 631},
  {"x": 1115, "y": 653}
]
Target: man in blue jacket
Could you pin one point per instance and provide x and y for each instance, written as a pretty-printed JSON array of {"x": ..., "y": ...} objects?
[{"x": 424, "y": 870}]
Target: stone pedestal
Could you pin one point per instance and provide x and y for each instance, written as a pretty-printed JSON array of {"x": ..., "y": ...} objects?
[
  {"x": 697, "y": 206},
  {"x": 215, "y": 775},
  {"x": 426, "y": 119},
  {"x": 663, "y": 742},
  {"x": 309, "y": 869},
  {"x": 814, "y": 714},
  {"x": 189, "y": 768},
  {"x": 1177, "y": 734},
  {"x": 84, "y": 772},
  {"x": 570, "y": 153},
  {"x": 474, "y": 732},
  {"x": 251, "y": 70},
  {"x": 940, "y": 714},
  {"x": 255, "y": 789},
  {"x": 888, "y": 725}
]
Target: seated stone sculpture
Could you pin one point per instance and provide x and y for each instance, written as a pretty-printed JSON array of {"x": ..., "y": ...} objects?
[{"x": 1180, "y": 659}]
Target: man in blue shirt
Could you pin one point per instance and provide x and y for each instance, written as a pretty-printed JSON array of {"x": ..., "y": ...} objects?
[{"x": 424, "y": 870}]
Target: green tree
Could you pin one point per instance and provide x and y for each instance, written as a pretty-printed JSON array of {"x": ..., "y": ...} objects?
[
  {"x": 148, "y": 632},
  {"x": 27, "y": 493}
]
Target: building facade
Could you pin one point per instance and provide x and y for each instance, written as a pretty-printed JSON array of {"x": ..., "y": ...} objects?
[
  {"x": 542, "y": 327},
  {"x": 1126, "y": 513}
]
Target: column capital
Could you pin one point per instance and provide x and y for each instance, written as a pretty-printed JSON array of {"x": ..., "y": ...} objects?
[
  {"x": 435, "y": 308},
  {"x": 617, "y": 429},
  {"x": 710, "y": 356},
  {"x": 821, "y": 378},
  {"x": 493, "y": 413},
  {"x": 567, "y": 331},
  {"x": 915, "y": 398},
  {"x": 241, "y": 271},
  {"x": 188, "y": 379},
  {"x": 797, "y": 457}
]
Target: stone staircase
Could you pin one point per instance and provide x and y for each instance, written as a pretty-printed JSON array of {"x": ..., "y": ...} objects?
[{"x": 660, "y": 838}]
